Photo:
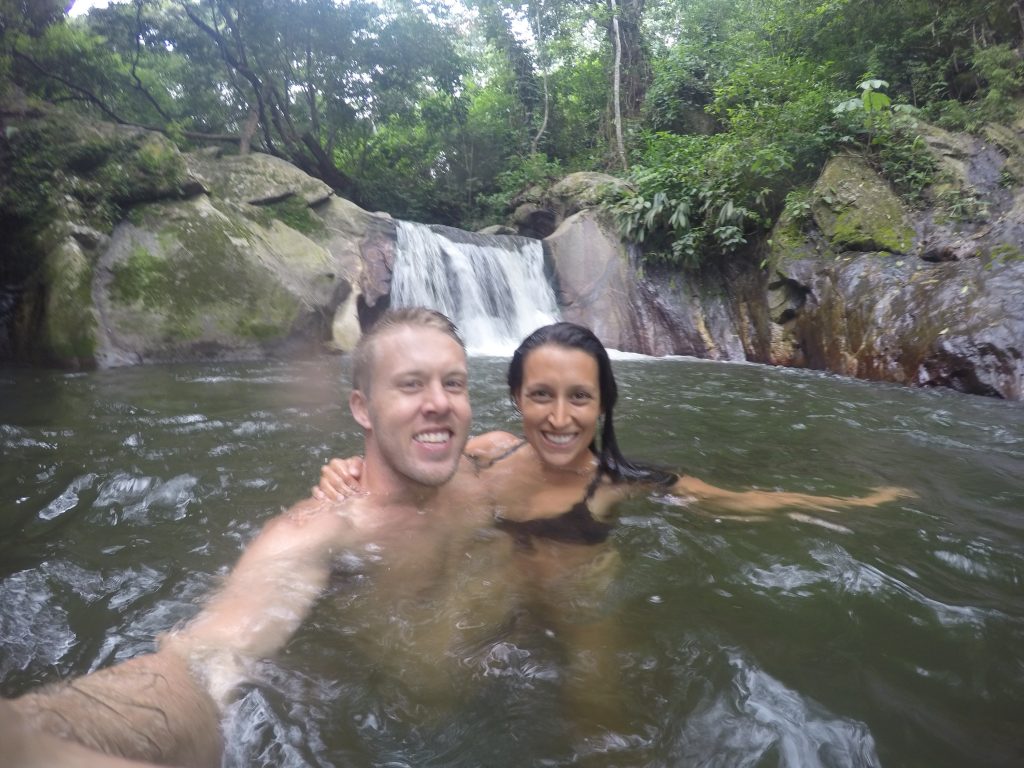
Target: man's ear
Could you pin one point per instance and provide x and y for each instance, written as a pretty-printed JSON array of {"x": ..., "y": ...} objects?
[{"x": 358, "y": 404}]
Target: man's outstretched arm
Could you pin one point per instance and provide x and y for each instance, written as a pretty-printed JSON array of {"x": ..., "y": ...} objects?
[
  {"x": 164, "y": 708},
  {"x": 267, "y": 595}
]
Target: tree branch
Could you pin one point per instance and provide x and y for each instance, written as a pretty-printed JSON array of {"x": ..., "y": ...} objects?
[{"x": 88, "y": 95}]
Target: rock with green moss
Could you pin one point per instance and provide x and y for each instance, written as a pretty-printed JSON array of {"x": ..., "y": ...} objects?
[
  {"x": 199, "y": 279},
  {"x": 56, "y": 308},
  {"x": 56, "y": 163},
  {"x": 255, "y": 178},
  {"x": 856, "y": 210}
]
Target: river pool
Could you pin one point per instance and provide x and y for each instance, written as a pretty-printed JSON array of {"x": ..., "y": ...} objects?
[{"x": 887, "y": 636}]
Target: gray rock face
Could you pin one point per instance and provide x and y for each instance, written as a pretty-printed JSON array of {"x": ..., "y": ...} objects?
[
  {"x": 945, "y": 309},
  {"x": 254, "y": 178},
  {"x": 255, "y": 258},
  {"x": 952, "y": 324},
  {"x": 865, "y": 287},
  {"x": 195, "y": 279},
  {"x": 216, "y": 278},
  {"x": 601, "y": 287}
]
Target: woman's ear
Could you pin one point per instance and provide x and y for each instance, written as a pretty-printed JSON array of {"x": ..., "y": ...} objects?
[{"x": 359, "y": 405}]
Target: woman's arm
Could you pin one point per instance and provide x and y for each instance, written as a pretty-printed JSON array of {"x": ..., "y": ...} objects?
[
  {"x": 755, "y": 501},
  {"x": 342, "y": 478}
]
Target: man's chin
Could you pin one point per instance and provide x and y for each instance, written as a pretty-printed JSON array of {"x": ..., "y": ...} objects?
[{"x": 433, "y": 476}]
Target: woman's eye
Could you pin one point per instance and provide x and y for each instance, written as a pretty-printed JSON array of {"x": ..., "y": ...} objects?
[
  {"x": 582, "y": 396},
  {"x": 540, "y": 396}
]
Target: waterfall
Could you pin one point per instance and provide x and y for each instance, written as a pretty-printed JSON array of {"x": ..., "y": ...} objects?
[{"x": 492, "y": 286}]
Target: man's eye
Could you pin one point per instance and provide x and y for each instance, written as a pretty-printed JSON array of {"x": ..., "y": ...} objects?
[
  {"x": 409, "y": 385},
  {"x": 455, "y": 385}
]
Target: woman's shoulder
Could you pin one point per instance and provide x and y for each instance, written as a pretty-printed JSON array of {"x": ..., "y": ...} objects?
[{"x": 489, "y": 447}]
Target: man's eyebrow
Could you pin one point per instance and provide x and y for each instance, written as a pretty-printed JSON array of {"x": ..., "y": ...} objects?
[{"x": 425, "y": 373}]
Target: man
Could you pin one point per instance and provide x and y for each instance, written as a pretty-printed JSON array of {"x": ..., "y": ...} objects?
[{"x": 411, "y": 398}]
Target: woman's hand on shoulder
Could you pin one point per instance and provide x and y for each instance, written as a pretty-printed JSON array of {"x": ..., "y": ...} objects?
[{"x": 340, "y": 479}]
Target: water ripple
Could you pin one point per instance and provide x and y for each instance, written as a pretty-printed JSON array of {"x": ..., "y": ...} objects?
[{"x": 758, "y": 716}]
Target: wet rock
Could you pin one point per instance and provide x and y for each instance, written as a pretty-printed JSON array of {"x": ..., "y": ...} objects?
[
  {"x": 533, "y": 220},
  {"x": 650, "y": 311}
]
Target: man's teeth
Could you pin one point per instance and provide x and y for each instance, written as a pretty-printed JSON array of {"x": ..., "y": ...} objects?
[
  {"x": 560, "y": 439},
  {"x": 431, "y": 437}
]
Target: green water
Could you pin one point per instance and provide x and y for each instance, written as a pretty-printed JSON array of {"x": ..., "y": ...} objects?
[{"x": 890, "y": 636}]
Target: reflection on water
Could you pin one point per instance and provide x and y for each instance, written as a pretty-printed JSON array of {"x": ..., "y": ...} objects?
[{"x": 888, "y": 636}]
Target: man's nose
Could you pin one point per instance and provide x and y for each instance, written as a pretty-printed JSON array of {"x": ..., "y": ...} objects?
[{"x": 437, "y": 399}]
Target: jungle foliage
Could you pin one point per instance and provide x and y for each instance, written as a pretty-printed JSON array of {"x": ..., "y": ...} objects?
[{"x": 441, "y": 112}]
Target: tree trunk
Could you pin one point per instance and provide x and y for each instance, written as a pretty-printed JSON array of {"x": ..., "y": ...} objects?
[
  {"x": 616, "y": 79},
  {"x": 544, "y": 79}
]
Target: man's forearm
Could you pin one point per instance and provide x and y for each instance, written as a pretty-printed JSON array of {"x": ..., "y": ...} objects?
[{"x": 149, "y": 709}]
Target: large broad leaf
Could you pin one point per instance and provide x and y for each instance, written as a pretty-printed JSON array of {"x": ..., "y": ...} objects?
[
  {"x": 875, "y": 101},
  {"x": 873, "y": 85},
  {"x": 848, "y": 106}
]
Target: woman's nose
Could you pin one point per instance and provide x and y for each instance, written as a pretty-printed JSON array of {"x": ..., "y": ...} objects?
[{"x": 559, "y": 416}]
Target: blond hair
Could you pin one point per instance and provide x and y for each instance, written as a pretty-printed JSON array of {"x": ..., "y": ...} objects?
[{"x": 406, "y": 317}]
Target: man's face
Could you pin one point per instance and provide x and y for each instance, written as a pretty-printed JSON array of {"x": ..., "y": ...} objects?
[{"x": 417, "y": 413}]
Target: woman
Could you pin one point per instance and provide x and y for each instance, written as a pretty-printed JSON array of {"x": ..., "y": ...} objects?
[{"x": 558, "y": 481}]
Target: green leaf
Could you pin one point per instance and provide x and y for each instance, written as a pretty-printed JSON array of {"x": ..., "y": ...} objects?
[{"x": 875, "y": 101}]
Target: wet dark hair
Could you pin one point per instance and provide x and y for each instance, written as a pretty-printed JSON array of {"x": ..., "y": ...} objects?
[{"x": 611, "y": 462}]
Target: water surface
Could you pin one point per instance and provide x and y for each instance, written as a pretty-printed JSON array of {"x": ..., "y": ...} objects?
[{"x": 889, "y": 636}]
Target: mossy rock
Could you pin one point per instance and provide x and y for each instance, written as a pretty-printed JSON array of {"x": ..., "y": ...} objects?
[
  {"x": 585, "y": 189},
  {"x": 856, "y": 210},
  {"x": 191, "y": 278},
  {"x": 255, "y": 178},
  {"x": 97, "y": 169},
  {"x": 69, "y": 329},
  {"x": 790, "y": 238},
  {"x": 1011, "y": 145}
]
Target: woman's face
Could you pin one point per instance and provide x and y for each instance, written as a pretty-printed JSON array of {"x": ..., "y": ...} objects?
[{"x": 561, "y": 403}]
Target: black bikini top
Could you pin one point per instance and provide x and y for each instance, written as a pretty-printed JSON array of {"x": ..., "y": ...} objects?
[{"x": 577, "y": 526}]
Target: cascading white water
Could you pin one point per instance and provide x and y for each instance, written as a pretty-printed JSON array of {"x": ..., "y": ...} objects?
[{"x": 492, "y": 286}]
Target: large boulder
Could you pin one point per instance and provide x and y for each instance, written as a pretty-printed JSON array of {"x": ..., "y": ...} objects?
[
  {"x": 649, "y": 311},
  {"x": 65, "y": 182},
  {"x": 122, "y": 249},
  {"x": 254, "y": 178},
  {"x": 856, "y": 210},
  {"x": 215, "y": 278},
  {"x": 847, "y": 296},
  {"x": 195, "y": 279},
  {"x": 951, "y": 324}
]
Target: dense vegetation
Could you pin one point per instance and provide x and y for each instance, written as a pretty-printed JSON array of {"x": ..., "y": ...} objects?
[{"x": 719, "y": 111}]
